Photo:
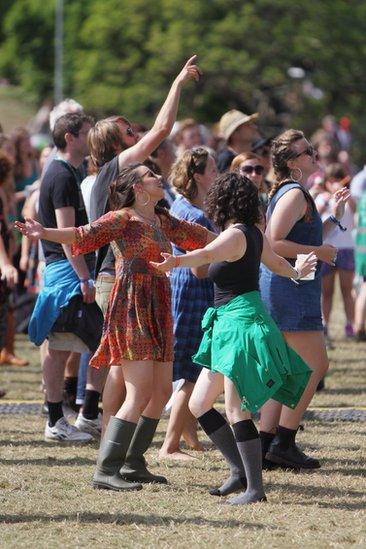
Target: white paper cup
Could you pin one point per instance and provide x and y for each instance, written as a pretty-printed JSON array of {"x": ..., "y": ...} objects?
[{"x": 309, "y": 276}]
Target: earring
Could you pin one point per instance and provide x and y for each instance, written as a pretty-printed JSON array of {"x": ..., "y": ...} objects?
[
  {"x": 148, "y": 198},
  {"x": 299, "y": 174}
]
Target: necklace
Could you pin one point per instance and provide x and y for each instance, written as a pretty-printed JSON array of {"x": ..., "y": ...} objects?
[{"x": 154, "y": 222}]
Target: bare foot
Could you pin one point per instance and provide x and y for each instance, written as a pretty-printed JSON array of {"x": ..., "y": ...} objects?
[{"x": 178, "y": 455}]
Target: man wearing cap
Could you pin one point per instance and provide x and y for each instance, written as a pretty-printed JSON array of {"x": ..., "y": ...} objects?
[{"x": 240, "y": 131}]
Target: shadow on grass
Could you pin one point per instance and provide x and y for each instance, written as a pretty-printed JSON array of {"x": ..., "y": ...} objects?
[
  {"x": 345, "y": 391},
  {"x": 43, "y": 444},
  {"x": 130, "y": 518},
  {"x": 319, "y": 492},
  {"x": 49, "y": 462}
]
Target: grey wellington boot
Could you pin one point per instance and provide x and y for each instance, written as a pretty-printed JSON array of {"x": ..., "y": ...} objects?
[
  {"x": 134, "y": 468},
  {"x": 111, "y": 455}
]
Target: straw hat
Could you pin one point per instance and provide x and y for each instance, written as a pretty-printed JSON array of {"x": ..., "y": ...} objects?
[{"x": 231, "y": 120}]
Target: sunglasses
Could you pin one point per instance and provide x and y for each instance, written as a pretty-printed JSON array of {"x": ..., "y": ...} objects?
[
  {"x": 309, "y": 151},
  {"x": 248, "y": 170},
  {"x": 130, "y": 132}
]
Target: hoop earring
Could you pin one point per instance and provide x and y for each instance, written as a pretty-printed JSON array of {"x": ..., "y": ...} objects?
[
  {"x": 148, "y": 200},
  {"x": 294, "y": 178}
]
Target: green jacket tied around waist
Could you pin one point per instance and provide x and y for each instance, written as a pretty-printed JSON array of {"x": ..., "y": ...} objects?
[{"x": 242, "y": 342}]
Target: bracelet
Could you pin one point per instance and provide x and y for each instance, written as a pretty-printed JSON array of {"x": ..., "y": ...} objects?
[
  {"x": 89, "y": 281},
  {"x": 178, "y": 260},
  {"x": 336, "y": 221}
]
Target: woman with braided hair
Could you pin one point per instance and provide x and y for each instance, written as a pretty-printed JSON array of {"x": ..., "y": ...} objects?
[
  {"x": 294, "y": 227},
  {"x": 137, "y": 339}
]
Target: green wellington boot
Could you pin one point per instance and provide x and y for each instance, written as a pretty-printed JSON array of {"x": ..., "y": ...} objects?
[
  {"x": 112, "y": 454},
  {"x": 134, "y": 468}
]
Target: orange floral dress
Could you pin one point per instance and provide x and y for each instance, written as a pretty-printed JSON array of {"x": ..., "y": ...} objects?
[{"x": 138, "y": 323}]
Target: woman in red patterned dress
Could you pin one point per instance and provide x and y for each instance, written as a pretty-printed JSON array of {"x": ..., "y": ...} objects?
[{"x": 137, "y": 340}]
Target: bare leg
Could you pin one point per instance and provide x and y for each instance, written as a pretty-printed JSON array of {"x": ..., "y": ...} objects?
[
  {"x": 208, "y": 387},
  {"x": 311, "y": 347},
  {"x": 113, "y": 395},
  {"x": 72, "y": 365},
  {"x": 360, "y": 310},
  {"x": 327, "y": 295},
  {"x": 346, "y": 283},
  {"x": 178, "y": 418},
  {"x": 190, "y": 435},
  {"x": 53, "y": 374}
]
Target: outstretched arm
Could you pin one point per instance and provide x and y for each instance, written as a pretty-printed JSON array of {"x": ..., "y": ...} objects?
[
  {"x": 33, "y": 229},
  {"x": 164, "y": 121},
  {"x": 230, "y": 245},
  {"x": 84, "y": 239}
]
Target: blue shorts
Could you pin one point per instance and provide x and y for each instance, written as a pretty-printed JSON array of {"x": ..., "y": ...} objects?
[{"x": 295, "y": 307}]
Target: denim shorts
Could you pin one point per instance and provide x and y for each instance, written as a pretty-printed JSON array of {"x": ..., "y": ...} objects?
[
  {"x": 345, "y": 261},
  {"x": 295, "y": 307}
]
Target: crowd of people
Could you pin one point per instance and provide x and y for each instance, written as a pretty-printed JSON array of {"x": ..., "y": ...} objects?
[{"x": 203, "y": 256}]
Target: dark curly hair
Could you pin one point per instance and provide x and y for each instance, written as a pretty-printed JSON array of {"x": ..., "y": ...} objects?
[{"x": 233, "y": 197}]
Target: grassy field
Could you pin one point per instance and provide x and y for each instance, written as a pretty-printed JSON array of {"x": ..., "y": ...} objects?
[{"x": 47, "y": 499}]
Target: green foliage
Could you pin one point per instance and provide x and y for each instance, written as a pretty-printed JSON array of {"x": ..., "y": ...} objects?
[{"x": 121, "y": 55}]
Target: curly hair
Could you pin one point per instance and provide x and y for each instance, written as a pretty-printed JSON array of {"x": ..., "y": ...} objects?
[
  {"x": 281, "y": 152},
  {"x": 182, "y": 174},
  {"x": 233, "y": 197}
]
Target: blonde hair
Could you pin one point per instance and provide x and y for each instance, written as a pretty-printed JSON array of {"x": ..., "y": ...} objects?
[
  {"x": 182, "y": 174},
  {"x": 104, "y": 139}
]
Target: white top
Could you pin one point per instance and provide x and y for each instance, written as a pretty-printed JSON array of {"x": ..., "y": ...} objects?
[
  {"x": 337, "y": 238},
  {"x": 86, "y": 189}
]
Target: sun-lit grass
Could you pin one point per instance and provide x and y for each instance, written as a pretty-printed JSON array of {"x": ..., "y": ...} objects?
[{"x": 47, "y": 499}]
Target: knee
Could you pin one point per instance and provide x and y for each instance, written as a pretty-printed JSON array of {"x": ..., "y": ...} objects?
[{"x": 195, "y": 407}]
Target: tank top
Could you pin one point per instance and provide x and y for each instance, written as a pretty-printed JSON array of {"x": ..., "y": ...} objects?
[
  {"x": 238, "y": 277},
  {"x": 309, "y": 229}
]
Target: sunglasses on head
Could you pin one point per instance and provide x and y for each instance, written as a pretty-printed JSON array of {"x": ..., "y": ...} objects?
[
  {"x": 257, "y": 169},
  {"x": 130, "y": 132}
]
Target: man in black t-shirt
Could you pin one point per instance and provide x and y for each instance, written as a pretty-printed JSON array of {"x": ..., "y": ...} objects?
[{"x": 61, "y": 205}]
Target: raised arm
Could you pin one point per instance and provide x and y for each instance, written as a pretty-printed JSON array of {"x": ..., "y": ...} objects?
[{"x": 164, "y": 121}]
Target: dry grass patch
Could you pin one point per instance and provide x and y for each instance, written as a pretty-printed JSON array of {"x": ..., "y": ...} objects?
[{"x": 47, "y": 499}]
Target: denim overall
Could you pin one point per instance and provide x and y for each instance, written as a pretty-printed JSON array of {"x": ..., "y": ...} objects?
[{"x": 295, "y": 307}]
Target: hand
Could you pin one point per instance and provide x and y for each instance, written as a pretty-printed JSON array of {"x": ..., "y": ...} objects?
[
  {"x": 31, "y": 228},
  {"x": 190, "y": 71},
  {"x": 326, "y": 253},
  {"x": 341, "y": 197},
  {"x": 167, "y": 265},
  {"x": 88, "y": 292},
  {"x": 307, "y": 265},
  {"x": 10, "y": 274}
]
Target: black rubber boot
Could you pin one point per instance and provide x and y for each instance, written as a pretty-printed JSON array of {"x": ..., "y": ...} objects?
[
  {"x": 284, "y": 452},
  {"x": 112, "y": 454},
  {"x": 134, "y": 468}
]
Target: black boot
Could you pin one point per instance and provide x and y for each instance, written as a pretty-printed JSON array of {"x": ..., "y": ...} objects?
[
  {"x": 134, "y": 468},
  {"x": 111, "y": 455},
  {"x": 266, "y": 440},
  {"x": 284, "y": 452}
]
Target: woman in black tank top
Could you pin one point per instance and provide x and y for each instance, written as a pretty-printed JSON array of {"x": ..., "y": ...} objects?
[{"x": 242, "y": 350}]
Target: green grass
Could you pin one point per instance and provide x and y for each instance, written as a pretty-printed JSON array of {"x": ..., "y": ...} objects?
[{"x": 47, "y": 499}]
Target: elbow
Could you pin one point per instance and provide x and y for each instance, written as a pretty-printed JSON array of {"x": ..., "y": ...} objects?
[{"x": 162, "y": 131}]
